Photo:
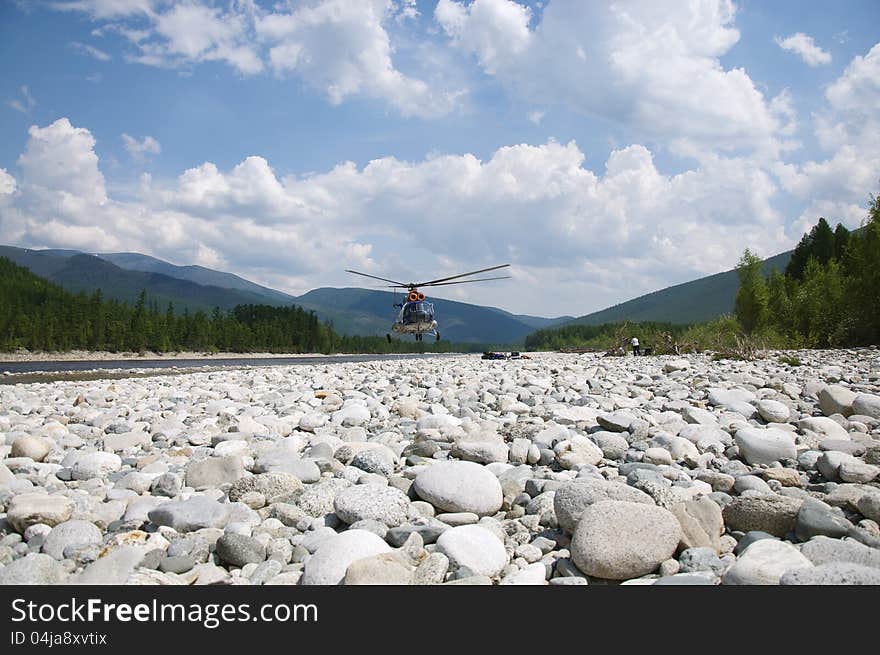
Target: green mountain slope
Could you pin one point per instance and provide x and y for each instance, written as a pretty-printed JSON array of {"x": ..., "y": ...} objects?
[
  {"x": 691, "y": 302},
  {"x": 134, "y": 261},
  {"x": 76, "y": 271}
]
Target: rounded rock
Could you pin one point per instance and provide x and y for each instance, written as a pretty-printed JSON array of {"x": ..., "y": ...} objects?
[
  {"x": 475, "y": 548},
  {"x": 619, "y": 540},
  {"x": 460, "y": 487},
  {"x": 70, "y": 533},
  {"x": 381, "y": 503},
  {"x": 329, "y": 563}
]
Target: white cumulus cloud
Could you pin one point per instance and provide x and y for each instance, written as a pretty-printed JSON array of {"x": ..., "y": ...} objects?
[
  {"x": 579, "y": 239},
  {"x": 137, "y": 149},
  {"x": 803, "y": 45},
  {"x": 338, "y": 47},
  {"x": 654, "y": 66}
]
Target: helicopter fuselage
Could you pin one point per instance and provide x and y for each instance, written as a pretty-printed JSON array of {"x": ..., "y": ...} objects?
[{"x": 415, "y": 318}]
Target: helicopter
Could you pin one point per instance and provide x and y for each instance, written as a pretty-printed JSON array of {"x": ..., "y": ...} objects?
[{"x": 416, "y": 315}]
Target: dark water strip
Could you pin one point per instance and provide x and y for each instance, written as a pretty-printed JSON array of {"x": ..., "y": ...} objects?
[{"x": 51, "y": 371}]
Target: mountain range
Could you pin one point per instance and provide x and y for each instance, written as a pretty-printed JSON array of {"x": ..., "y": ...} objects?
[
  {"x": 356, "y": 311},
  {"x": 352, "y": 311}
]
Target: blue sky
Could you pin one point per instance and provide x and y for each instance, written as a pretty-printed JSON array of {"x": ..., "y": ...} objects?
[{"x": 604, "y": 150}]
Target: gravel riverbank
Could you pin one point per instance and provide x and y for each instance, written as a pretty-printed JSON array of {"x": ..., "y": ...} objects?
[{"x": 563, "y": 469}]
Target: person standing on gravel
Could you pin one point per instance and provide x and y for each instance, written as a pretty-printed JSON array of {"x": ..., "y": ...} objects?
[{"x": 635, "y": 346}]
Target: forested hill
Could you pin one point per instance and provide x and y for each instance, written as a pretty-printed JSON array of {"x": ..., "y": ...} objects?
[
  {"x": 696, "y": 301},
  {"x": 38, "y": 315}
]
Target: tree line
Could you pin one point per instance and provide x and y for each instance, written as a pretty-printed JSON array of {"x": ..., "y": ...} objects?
[
  {"x": 38, "y": 315},
  {"x": 828, "y": 295}
]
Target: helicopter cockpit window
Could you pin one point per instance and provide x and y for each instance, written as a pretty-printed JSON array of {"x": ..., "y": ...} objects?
[{"x": 419, "y": 307}]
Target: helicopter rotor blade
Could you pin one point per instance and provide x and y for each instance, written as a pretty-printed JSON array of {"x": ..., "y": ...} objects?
[
  {"x": 455, "y": 277},
  {"x": 482, "y": 279},
  {"x": 399, "y": 284}
]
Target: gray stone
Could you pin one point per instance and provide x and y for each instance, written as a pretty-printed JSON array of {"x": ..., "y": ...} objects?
[
  {"x": 176, "y": 564},
  {"x": 475, "y": 548},
  {"x": 275, "y": 487},
  {"x": 701, "y": 559},
  {"x": 327, "y": 566},
  {"x": 822, "y": 550},
  {"x": 239, "y": 550},
  {"x": 573, "y": 498},
  {"x": 33, "y": 569},
  {"x": 190, "y": 515},
  {"x": 854, "y": 470},
  {"x": 28, "y": 445},
  {"x": 213, "y": 472},
  {"x": 372, "y": 501},
  {"x": 764, "y": 562},
  {"x": 867, "y": 405},
  {"x": 751, "y": 483},
  {"x": 833, "y": 573},
  {"x": 382, "y": 569},
  {"x": 432, "y": 570},
  {"x": 816, "y": 518},
  {"x": 533, "y": 574},
  {"x": 429, "y": 532},
  {"x": 114, "y": 568},
  {"x": 265, "y": 571},
  {"x": 69, "y": 533},
  {"x": 701, "y": 578},
  {"x": 96, "y": 465},
  {"x": 613, "y": 444},
  {"x": 616, "y": 421},
  {"x": 823, "y": 427},
  {"x": 835, "y": 399},
  {"x": 373, "y": 461},
  {"x": 768, "y": 513},
  {"x": 317, "y": 499},
  {"x": 773, "y": 411},
  {"x": 25, "y": 510},
  {"x": 765, "y": 446},
  {"x": 460, "y": 487},
  {"x": 869, "y": 505},
  {"x": 167, "y": 485},
  {"x": 701, "y": 523},
  {"x": 620, "y": 540}
]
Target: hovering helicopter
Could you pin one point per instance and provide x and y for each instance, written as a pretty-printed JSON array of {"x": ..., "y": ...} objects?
[{"x": 416, "y": 315}]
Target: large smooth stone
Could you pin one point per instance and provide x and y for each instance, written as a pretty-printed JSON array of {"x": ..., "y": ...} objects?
[
  {"x": 866, "y": 404},
  {"x": 475, "y": 548},
  {"x": 190, "y": 515},
  {"x": 824, "y": 427},
  {"x": 25, "y": 510},
  {"x": 619, "y": 540},
  {"x": 212, "y": 472},
  {"x": 833, "y": 573},
  {"x": 96, "y": 465},
  {"x": 764, "y": 563},
  {"x": 573, "y": 498},
  {"x": 70, "y": 533},
  {"x": 33, "y": 569},
  {"x": 771, "y": 513},
  {"x": 372, "y": 502},
  {"x": 460, "y": 487},
  {"x": 275, "y": 486},
  {"x": 835, "y": 399},
  {"x": 330, "y": 562},
  {"x": 757, "y": 446}
]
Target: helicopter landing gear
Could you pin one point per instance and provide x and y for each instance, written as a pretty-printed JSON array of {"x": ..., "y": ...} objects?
[
  {"x": 388, "y": 336},
  {"x": 438, "y": 336},
  {"x": 418, "y": 336}
]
